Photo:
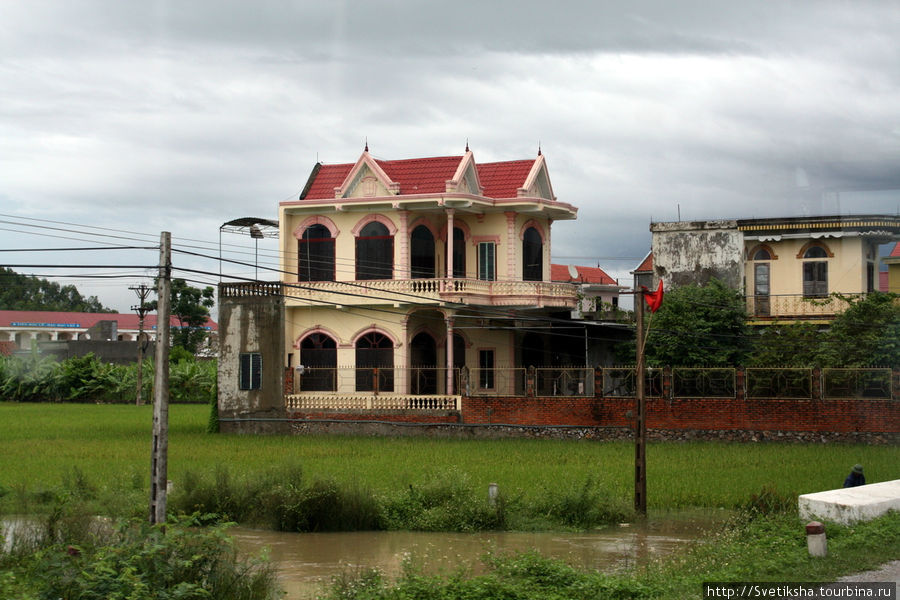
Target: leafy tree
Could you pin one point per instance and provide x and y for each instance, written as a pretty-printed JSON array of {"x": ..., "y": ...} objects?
[
  {"x": 866, "y": 334},
  {"x": 698, "y": 326},
  {"x": 190, "y": 306},
  {"x": 787, "y": 345},
  {"x": 24, "y": 292}
]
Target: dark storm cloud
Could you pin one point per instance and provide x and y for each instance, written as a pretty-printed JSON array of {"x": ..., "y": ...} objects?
[{"x": 180, "y": 115}]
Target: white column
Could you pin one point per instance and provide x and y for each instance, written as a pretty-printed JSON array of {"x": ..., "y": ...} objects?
[
  {"x": 449, "y": 321},
  {"x": 450, "y": 212}
]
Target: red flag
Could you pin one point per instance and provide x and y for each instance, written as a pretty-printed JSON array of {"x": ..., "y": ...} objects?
[{"x": 654, "y": 299}]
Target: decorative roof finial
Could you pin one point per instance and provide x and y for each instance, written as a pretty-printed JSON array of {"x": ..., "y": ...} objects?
[
  {"x": 467, "y": 144},
  {"x": 367, "y": 144},
  {"x": 539, "y": 147}
]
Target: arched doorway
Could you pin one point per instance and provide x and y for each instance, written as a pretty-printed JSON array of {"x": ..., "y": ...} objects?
[
  {"x": 374, "y": 351},
  {"x": 532, "y": 255},
  {"x": 318, "y": 355},
  {"x": 423, "y": 373},
  {"x": 422, "y": 253}
]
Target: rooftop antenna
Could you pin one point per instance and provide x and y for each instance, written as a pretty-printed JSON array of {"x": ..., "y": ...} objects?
[{"x": 679, "y": 213}]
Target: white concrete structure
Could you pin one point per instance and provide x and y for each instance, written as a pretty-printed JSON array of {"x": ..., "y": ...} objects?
[{"x": 849, "y": 505}]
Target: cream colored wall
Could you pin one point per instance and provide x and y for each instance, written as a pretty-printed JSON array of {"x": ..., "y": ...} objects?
[
  {"x": 492, "y": 224},
  {"x": 846, "y": 269}
]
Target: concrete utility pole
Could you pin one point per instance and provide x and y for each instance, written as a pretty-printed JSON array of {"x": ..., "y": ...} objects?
[
  {"x": 160, "y": 447},
  {"x": 640, "y": 433},
  {"x": 142, "y": 291}
]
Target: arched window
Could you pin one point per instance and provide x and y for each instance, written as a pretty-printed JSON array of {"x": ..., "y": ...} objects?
[
  {"x": 315, "y": 255},
  {"x": 422, "y": 259},
  {"x": 815, "y": 272},
  {"x": 762, "y": 254},
  {"x": 532, "y": 255},
  {"x": 374, "y": 252},
  {"x": 374, "y": 350},
  {"x": 318, "y": 355}
]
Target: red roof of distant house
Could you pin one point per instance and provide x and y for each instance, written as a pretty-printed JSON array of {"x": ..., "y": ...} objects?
[
  {"x": 561, "y": 274},
  {"x": 78, "y": 320},
  {"x": 426, "y": 176},
  {"x": 896, "y": 250},
  {"x": 646, "y": 265}
]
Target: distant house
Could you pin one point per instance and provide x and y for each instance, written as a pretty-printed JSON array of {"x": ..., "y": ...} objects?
[
  {"x": 598, "y": 293},
  {"x": 643, "y": 274},
  {"x": 25, "y": 328},
  {"x": 786, "y": 267}
]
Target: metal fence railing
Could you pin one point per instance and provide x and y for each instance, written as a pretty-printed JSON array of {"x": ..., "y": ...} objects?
[{"x": 752, "y": 383}]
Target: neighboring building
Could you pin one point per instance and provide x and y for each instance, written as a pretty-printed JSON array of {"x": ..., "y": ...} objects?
[
  {"x": 787, "y": 267},
  {"x": 598, "y": 293},
  {"x": 643, "y": 274},
  {"x": 24, "y": 327},
  {"x": 409, "y": 277},
  {"x": 893, "y": 270}
]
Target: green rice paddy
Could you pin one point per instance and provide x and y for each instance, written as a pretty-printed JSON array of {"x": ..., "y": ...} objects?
[{"x": 109, "y": 444}]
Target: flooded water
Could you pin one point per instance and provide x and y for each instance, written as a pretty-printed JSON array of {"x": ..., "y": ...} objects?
[{"x": 306, "y": 561}]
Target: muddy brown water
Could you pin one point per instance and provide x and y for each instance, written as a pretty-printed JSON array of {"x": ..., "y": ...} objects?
[{"x": 308, "y": 561}]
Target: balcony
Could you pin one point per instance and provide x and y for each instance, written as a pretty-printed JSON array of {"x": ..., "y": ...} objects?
[
  {"x": 434, "y": 291},
  {"x": 796, "y": 306}
]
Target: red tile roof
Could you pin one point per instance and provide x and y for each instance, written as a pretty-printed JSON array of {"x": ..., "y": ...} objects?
[
  {"x": 9, "y": 318},
  {"x": 425, "y": 176},
  {"x": 560, "y": 273},
  {"x": 325, "y": 180},
  {"x": 503, "y": 179},
  {"x": 896, "y": 250},
  {"x": 421, "y": 175},
  {"x": 646, "y": 266}
]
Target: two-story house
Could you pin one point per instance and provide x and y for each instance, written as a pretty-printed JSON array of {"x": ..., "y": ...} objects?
[
  {"x": 400, "y": 277},
  {"x": 788, "y": 268}
]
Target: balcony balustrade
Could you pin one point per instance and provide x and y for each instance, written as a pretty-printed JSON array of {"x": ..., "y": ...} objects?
[
  {"x": 469, "y": 291},
  {"x": 796, "y": 306}
]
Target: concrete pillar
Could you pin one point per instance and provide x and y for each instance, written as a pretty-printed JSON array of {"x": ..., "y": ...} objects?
[
  {"x": 449, "y": 321},
  {"x": 402, "y": 241},
  {"x": 449, "y": 256}
]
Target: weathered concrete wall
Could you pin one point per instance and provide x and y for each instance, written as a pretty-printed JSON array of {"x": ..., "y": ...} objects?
[
  {"x": 251, "y": 324},
  {"x": 687, "y": 253}
]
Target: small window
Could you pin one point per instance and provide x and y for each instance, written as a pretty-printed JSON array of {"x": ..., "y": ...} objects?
[
  {"x": 250, "y": 377},
  {"x": 487, "y": 260},
  {"x": 486, "y": 369}
]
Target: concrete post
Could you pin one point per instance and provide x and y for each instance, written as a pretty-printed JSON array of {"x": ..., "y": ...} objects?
[
  {"x": 816, "y": 542},
  {"x": 493, "y": 493}
]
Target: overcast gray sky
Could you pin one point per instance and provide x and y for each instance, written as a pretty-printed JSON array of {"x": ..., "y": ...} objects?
[{"x": 160, "y": 115}]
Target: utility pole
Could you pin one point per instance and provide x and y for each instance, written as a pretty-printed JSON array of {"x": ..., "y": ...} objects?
[
  {"x": 640, "y": 433},
  {"x": 142, "y": 291},
  {"x": 160, "y": 447}
]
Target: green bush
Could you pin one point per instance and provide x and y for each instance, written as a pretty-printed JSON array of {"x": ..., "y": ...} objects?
[{"x": 140, "y": 562}]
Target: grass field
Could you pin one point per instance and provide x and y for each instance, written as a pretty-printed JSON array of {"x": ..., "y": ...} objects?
[{"x": 110, "y": 445}]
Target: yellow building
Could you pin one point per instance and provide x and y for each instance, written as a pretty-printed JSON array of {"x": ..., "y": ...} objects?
[
  {"x": 414, "y": 277},
  {"x": 788, "y": 268}
]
